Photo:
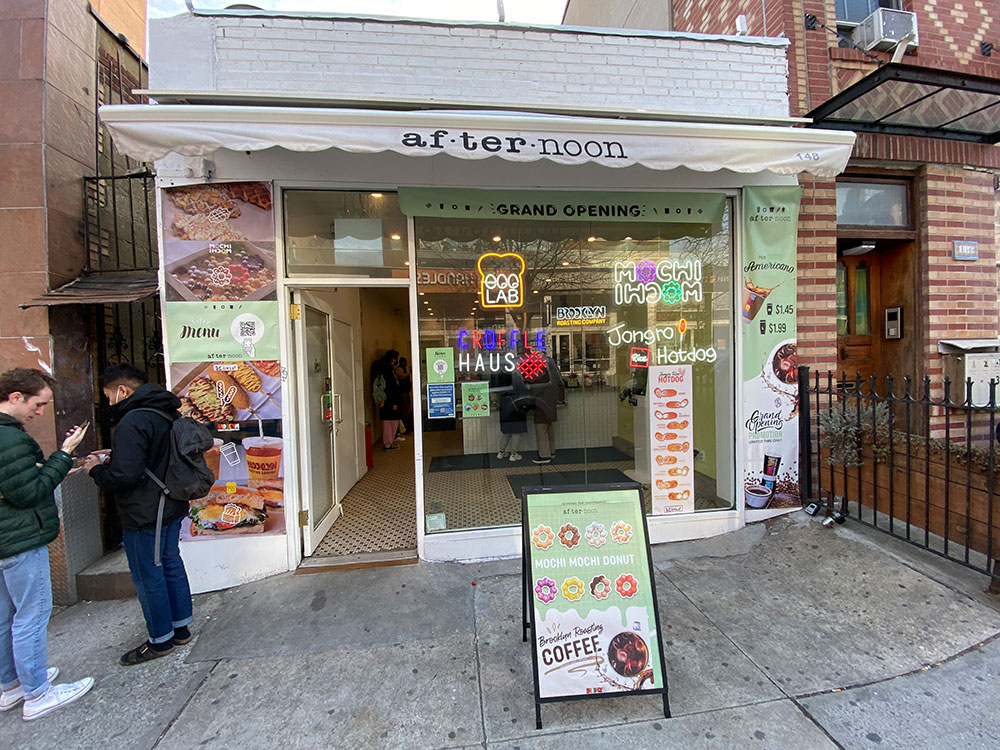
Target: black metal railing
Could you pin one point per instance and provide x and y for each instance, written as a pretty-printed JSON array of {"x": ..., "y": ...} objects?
[{"x": 917, "y": 460}]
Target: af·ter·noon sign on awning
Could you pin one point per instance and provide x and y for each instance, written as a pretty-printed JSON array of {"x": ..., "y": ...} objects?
[
  {"x": 550, "y": 205},
  {"x": 150, "y": 132}
]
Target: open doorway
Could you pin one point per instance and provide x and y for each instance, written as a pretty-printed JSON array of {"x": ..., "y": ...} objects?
[{"x": 358, "y": 500}]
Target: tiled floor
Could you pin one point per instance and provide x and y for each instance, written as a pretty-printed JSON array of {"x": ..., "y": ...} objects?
[{"x": 380, "y": 511}]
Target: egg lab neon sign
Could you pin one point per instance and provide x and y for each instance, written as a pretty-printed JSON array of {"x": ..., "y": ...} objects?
[{"x": 501, "y": 280}]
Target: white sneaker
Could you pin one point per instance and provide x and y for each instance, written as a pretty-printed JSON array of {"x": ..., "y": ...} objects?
[
  {"x": 515, "y": 457},
  {"x": 56, "y": 696},
  {"x": 10, "y": 698},
  {"x": 501, "y": 455}
]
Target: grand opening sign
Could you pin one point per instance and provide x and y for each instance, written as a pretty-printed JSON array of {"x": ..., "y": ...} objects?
[{"x": 589, "y": 594}]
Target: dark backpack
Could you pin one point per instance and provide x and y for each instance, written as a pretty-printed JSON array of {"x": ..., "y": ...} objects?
[{"x": 187, "y": 476}]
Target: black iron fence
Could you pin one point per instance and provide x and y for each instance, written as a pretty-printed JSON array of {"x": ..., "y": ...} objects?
[{"x": 917, "y": 460}]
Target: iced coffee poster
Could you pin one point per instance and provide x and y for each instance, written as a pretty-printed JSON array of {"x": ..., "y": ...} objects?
[
  {"x": 218, "y": 212},
  {"x": 592, "y": 597},
  {"x": 770, "y": 431},
  {"x": 671, "y": 439},
  {"x": 248, "y": 497},
  {"x": 217, "y": 331}
]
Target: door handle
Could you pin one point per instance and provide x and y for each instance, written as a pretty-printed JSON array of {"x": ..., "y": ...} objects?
[
  {"x": 843, "y": 352},
  {"x": 338, "y": 411}
]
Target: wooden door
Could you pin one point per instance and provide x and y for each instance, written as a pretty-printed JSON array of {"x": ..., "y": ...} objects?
[{"x": 858, "y": 309}]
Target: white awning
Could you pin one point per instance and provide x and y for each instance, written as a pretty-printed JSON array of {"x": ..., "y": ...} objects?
[{"x": 149, "y": 132}]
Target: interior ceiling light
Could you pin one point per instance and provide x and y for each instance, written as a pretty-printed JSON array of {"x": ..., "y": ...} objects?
[
  {"x": 549, "y": 279},
  {"x": 496, "y": 238},
  {"x": 627, "y": 238},
  {"x": 534, "y": 291},
  {"x": 376, "y": 195},
  {"x": 420, "y": 293},
  {"x": 591, "y": 238},
  {"x": 406, "y": 262},
  {"x": 565, "y": 262},
  {"x": 395, "y": 237}
]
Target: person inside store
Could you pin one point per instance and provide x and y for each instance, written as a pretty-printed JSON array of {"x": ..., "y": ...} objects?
[
  {"x": 547, "y": 391},
  {"x": 141, "y": 440},
  {"x": 513, "y": 404},
  {"x": 406, "y": 391},
  {"x": 388, "y": 398},
  {"x": 29, "y": 521}
]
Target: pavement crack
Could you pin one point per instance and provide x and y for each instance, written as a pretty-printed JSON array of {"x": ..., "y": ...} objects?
[
  {"x": 479, "y": 666},
  {"x": 186, "y": 703}
]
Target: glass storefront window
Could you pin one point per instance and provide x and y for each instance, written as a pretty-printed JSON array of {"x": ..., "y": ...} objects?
[
  {"x": 556, "y": 373},
  {"x": 877, "y": 204},
  {"x": 351, "y": 233}
]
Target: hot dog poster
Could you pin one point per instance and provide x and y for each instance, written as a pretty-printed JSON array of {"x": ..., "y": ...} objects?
[
  {"x": 671, "y": 439},
  {"x": 770, "y": 430},
  {"x": 593, "y": 604}
]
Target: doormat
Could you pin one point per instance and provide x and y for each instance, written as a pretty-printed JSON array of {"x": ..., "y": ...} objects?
[
  {"x": 559, "y": 478},
  {"x": 490, "y": 460}
]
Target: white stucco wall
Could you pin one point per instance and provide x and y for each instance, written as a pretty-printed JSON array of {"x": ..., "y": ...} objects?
[{"x": 502, "y": 65}]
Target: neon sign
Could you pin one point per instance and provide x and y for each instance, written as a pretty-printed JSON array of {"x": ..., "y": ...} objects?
[
  {"x": 490, "y": 339},
  {"x": 501, "y": 280},
  {"x": 667, "y": 281},
  {"x": 492, "y": 350}
]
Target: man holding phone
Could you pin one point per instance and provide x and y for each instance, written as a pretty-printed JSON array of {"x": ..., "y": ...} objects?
[{"x": 29, "y": 521}]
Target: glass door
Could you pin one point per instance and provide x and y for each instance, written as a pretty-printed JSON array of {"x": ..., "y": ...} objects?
[{"x": 313, "y": 331}]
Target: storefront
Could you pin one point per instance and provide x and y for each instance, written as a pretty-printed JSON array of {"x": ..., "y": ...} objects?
[{"x": 587, "y": 287}]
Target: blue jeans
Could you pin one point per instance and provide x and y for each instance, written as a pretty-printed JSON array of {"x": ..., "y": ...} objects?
[
  {"x": 163, "y": 591},
  {"x": 25, "y": 606}
]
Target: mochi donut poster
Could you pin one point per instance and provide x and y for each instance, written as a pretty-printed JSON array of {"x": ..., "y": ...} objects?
[{"x": 594, "y": 622}]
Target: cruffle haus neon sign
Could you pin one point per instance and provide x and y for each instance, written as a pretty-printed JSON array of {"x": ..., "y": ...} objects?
[
  {"x": 668, "y": 281},
  {"x": 492, "y": 350}
]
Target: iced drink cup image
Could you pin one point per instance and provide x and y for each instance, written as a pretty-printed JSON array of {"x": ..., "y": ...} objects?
[
  {"x": 212, "y": 457},
  {"x": 263, "y": 456},
  {"x": 753, "y": 299}
]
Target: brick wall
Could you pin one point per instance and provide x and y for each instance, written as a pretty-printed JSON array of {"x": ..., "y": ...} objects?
[
  {"x": 495, "y": 64},
  {"x": 817, "y": 278}
]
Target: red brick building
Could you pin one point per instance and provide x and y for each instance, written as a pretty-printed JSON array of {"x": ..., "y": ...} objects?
[{"x": 920, "y": 190}]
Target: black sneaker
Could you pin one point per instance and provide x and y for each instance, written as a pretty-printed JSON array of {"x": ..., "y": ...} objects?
[
  {"x": 541, "y": 460},
  {"x": 391, "y": 447}
]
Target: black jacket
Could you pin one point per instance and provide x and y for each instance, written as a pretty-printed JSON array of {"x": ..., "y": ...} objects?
[{"x": 141, "y": 439}]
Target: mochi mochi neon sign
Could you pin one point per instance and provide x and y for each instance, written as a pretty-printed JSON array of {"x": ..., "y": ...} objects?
[{"x": 501, "y": 280}]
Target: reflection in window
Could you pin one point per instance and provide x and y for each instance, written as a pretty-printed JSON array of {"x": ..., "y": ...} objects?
[
  {"x": 857, "y": 11},
  {"x": 862, "y": 320},
  {"x": 878, "y": 204},
  {"x": 347, "y": 232},
  {"x": 841, "y": 299},
  {"x": 570, "y": 317}
]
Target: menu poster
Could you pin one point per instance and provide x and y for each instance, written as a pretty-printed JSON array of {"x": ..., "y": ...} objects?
[
  {"x": 671, "y": 439},
  {"x": 476, "y": 399},
  {"x": 248, "y": 496},
  {"x": 440, "y": 365},
  {"x": 218, "y": 212},
  {"x": 212, "y": 332},
  {"x": 770, "y": 434},
  {"x": 440, "y": 400},
  {"x": 235, "y": 391},
  {"x": 589, "y": 580}
]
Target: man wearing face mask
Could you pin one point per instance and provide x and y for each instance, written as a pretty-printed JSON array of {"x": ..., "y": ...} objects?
[{"x": 142, "y": 440}]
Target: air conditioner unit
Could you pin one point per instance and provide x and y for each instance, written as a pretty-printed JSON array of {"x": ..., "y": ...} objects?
[{"x": 883, "y": 29}]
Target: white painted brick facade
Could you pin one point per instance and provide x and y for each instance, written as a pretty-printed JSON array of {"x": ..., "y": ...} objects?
[{"x": 503, "y": 66}]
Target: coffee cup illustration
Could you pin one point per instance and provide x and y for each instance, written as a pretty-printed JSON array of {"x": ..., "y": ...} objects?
[
  {"x": 753, "y": 299},
  {"x": 501, "y": 280},
  {"x": 757, "y": 496}
]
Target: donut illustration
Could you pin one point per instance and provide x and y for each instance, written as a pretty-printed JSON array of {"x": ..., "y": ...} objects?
[
  {"x": 666, "y": 484},
  {"x": 621, "y": 532},
  {"x": 679, "y": 496},
  {"x": 600, "y": 587},
  {"x": 678, "y": 447},
  {"x": 572, "y": 588},
  {"x": 626, "y": 586},
  {"x": 665, "y": 460},
  {"x": 542, "y": 537},
  {"x": 545, "y": 590},
  {"x": 678, "y": 471},
  {"x": 596, "y": 535},
  {"x": 569, "y": 536}
]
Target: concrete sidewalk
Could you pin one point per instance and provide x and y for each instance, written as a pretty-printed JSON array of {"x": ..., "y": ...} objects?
[{"x": 786, "y": 635}]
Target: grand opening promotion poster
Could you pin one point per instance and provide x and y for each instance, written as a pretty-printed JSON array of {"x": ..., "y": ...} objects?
[
  {"x": 593, "y": 602},
  {"x": 770, "y": 357}
]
